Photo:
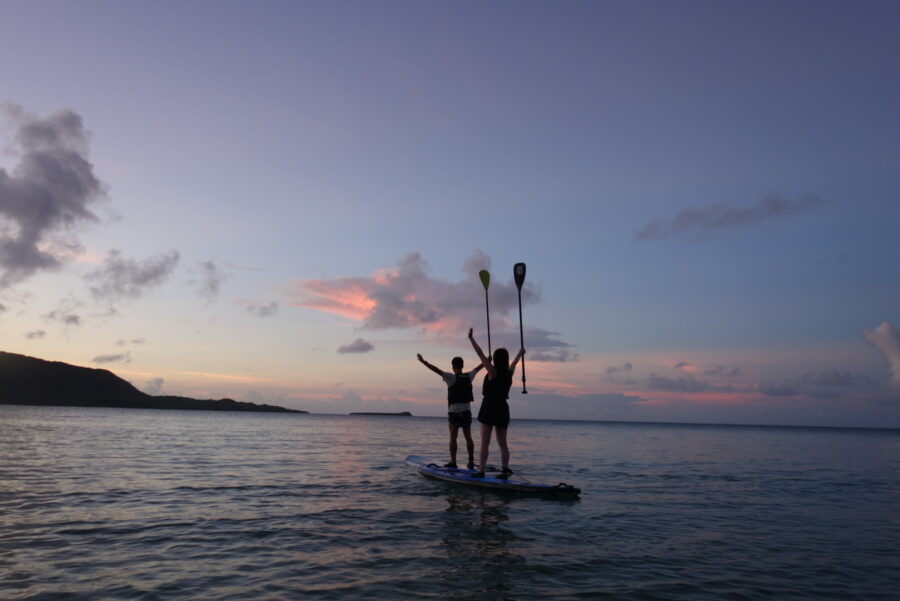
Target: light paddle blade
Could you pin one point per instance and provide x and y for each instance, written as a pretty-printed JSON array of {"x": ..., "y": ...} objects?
[{"x": 485, "y": 278}]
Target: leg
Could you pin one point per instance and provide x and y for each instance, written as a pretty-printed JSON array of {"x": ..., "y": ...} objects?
[
  {"x": 485, "y": 442},
  {"x": 504, "y": 450},
  {"x": 454, "y": 430},
  {"x": 470, "y": 444}
]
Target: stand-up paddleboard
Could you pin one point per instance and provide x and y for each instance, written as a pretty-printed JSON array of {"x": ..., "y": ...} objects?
[{"x": 514, "y": 484}]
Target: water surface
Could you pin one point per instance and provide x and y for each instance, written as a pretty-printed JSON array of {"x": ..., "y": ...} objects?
[{"x": 144, "y": 504}]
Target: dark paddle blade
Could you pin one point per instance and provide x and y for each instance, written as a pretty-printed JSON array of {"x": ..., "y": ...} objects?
[{"x": 519, "y": 274}]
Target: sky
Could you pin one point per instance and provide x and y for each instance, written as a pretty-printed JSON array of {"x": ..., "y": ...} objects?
[{"x": 285, "y": 202}]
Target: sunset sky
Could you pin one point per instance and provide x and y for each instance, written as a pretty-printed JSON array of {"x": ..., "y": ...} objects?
[{"x": 284, "y": 202}]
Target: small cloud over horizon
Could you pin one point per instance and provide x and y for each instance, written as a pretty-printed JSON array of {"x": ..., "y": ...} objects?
[
  {"x": 357, "y": 346},
  {"x": 113, "y": 358}
]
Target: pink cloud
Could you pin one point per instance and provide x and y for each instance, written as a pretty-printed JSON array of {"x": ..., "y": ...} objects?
[{"x": 406, "y": 296}]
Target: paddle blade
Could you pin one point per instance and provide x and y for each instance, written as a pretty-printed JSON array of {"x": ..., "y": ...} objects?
[
  {"x": 519, "y": 274},
  {"x": 485, "y": 278}
]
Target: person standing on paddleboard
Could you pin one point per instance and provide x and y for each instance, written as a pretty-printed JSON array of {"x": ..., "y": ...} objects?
[
  {"x": 494, "y": 412},
  {"x": 459, "y": 408}
]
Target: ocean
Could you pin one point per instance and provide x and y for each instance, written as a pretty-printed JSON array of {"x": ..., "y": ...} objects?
[{"x": 192, "y": 505}]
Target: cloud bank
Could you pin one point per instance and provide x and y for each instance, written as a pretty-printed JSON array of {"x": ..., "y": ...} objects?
[
  {"x": 720, "y": 216},
  {"x": 47, "y": 195}
]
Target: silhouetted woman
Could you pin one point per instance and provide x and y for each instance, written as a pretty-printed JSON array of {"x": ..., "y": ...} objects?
[{"x": 494, "y": 412}]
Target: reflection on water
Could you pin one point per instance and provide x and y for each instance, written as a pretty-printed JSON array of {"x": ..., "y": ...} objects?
[{"x": 480, "y": 562}]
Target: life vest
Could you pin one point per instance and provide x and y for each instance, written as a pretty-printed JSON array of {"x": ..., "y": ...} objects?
[{"x": 461, "y": 391}]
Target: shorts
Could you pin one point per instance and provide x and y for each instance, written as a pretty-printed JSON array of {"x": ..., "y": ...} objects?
[
  {"x": 494, "y": 414},
  {"x": 460, "y": 419}
]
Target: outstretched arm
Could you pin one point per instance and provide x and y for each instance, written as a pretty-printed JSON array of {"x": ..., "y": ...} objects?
[
  {"x": 430, "y": 366},
  {"x": 519, "y": 355},
  {"x": 485, "y": 361}
]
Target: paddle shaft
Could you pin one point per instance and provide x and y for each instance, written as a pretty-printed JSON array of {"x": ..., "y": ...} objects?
[{"x": 519, "y": 277}]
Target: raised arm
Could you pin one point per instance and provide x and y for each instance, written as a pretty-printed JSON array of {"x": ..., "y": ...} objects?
[
  {"x": 519, "y": 355},
  {"x": 430, "y": 366},
  {"x": 485, "y": 361}
]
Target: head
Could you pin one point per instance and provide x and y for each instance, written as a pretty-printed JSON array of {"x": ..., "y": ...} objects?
[
  {"x": 501, "y": 359},
  {"x": 457, "y": 364}
]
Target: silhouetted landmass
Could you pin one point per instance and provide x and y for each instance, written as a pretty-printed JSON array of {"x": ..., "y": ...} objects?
[
  {"x": 398, "y": 414},
  {"x": 30, "y": 381}
]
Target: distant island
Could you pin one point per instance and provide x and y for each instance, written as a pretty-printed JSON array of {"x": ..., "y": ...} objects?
[
  {"x": 30, "y": 381},
  {"x": 398, "y": 414}
]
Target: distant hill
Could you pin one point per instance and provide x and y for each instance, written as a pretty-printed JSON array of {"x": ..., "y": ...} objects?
[
  {"x": 397, "y": 414},
  {"x": 30, "y": 381}
]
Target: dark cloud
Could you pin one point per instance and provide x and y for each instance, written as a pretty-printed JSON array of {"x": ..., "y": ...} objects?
[
  {"x": 263, "y": 310},
  {"x": 209, "y": 281},
  {"x": 721, "y": 370},
  {"x": 683, "y": 384},
  {"x": 357, "y": 346},
  {"x": 557, "y": 356},
  {"x": 120, "y": 278},
  {"x": 115, "y": 358},
  {"x": 886, "y": 338},
  {"x": 132, "y": 341},
  {"x": 2, "y": 308},
  {"x": 681, "y": 365},
  {"x": 154, "y": 387},
  {"x": 48, "y": 194},
  {"x": 35, "y": 334},
  {"x": 617, "y": 369},
  {"x": 720, "y": 216}
]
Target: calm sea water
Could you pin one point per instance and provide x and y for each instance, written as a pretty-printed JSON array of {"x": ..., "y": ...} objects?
[{"x": 133, "y": 504}]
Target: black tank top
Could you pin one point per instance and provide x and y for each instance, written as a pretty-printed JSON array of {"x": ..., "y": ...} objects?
[{"x": 497, "y": 390}]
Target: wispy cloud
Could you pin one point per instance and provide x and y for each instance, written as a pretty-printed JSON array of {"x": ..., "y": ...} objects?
[
  {"x": 113, "y": 358},
  {"x": 720, "y": 216},
  {"x": 683, "y": 384},
  {"x": 263, "y": 310},
  {"x": 66, "y": 313},
  {"x": 120, "y": 278},
  {"x": 35, "y": 334},
  {"x": 886, "y": 338},
  {"x": 209, "y": 281},
  {"x": 722, "y": 371},
  {"x": 48, "y": 194},
  {"x": 556, "y": 356},
  {"x": 357, "y": 346},
  {"x": 822, "y": 384}
]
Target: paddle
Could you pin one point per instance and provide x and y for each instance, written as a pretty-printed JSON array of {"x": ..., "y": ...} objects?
[
  {"x": 519, "y": 275},
  {"x": 486, "y": 281}
]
